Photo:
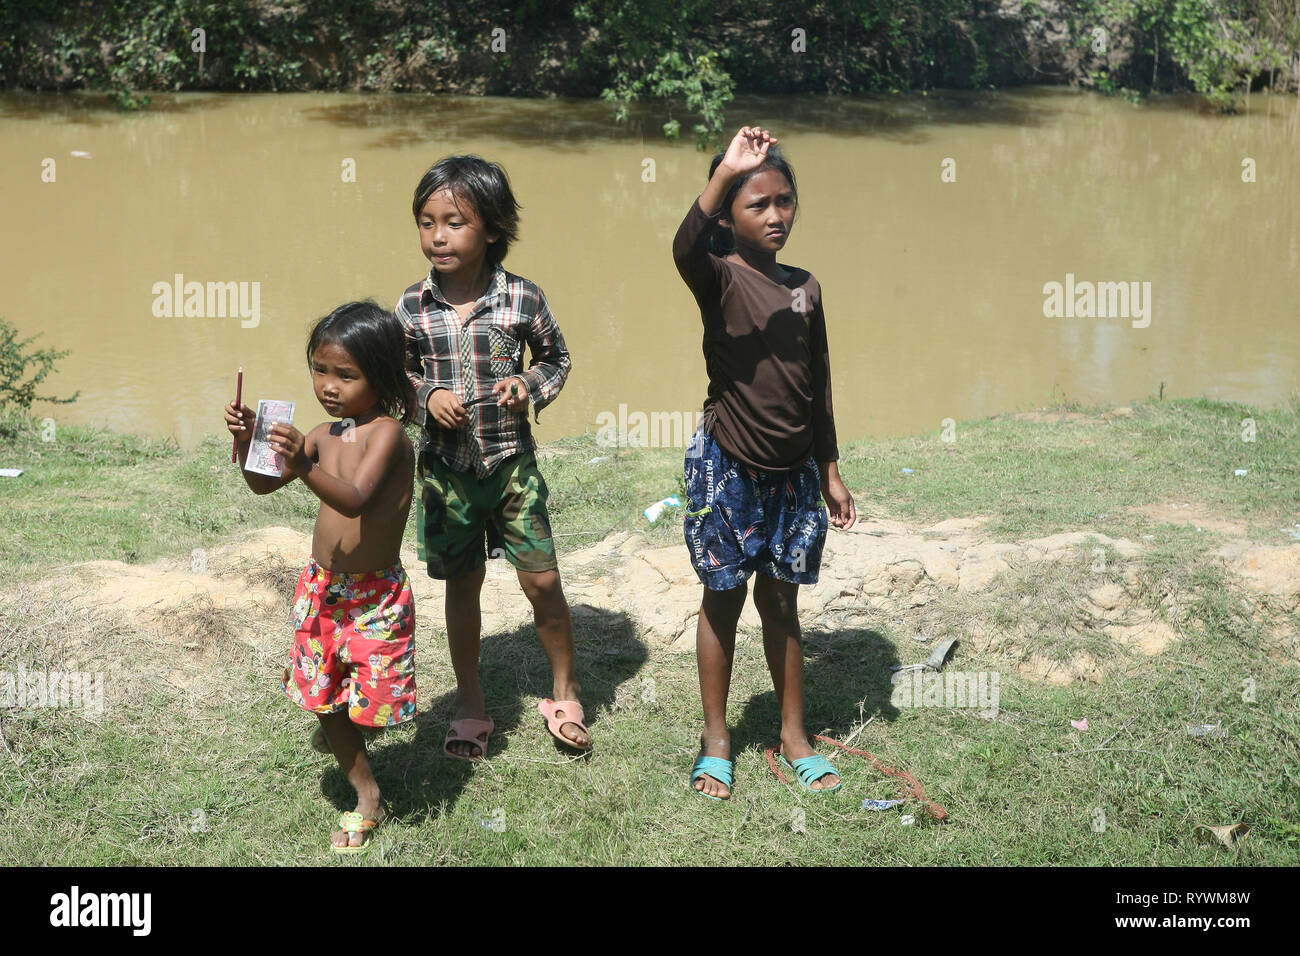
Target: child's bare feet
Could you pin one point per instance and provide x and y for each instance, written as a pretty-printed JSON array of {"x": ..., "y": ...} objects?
[
  {"x": 714, "y": 746},
  {"x": 370, "y": 808},
  {"x": 796, "y": 748}
]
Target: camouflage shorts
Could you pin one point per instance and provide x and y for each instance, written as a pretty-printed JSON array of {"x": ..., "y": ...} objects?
[{"x": 458, "y": 510}]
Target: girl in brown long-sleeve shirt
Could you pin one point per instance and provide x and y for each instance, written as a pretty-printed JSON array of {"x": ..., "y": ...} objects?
[{"x": 765, "y": 454}]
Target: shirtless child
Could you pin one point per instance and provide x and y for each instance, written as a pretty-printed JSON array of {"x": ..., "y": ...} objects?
[{"x": 353, "y": 658}]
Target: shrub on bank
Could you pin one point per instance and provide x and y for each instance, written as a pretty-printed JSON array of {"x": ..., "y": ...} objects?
[{"x": 692, "y": 55}]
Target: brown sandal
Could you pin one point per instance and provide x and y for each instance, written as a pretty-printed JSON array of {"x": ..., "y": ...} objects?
[
  {"x": 572, "y": 715},
  {"x": 469, "y": 730}
]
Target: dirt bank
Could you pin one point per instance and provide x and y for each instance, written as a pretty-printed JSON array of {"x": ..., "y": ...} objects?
[{"x": 182, "y": 619}]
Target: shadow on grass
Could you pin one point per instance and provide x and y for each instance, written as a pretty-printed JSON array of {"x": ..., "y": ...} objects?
[
  {"x": 846, "y": 679},
  {"x": 417, "y": 778}
]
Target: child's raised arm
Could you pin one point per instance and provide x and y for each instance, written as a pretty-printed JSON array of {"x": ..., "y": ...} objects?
[
  {"x": 746, "y": 152},
  {"x": 383, "y": 449}
]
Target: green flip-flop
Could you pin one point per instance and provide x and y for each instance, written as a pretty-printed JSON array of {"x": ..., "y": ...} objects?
[
  {"x": 350, "y": 823},
  {"x": 811, "y": 768},
  {"x": 719, "y": 768}
]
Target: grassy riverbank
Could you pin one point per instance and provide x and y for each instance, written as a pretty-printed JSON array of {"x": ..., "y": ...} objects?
[{"x": 217, "y": 770}]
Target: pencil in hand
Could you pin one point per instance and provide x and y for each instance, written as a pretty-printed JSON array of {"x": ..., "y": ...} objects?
[{"x": 239, "y": 395}]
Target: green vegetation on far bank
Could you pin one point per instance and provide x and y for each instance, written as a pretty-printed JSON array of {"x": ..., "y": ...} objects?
[
  {"x": 221, "y": 772},
  {"x": 688, "y": 56}
]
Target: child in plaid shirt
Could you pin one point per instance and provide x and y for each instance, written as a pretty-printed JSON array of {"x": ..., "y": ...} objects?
[{"x": 466, "y": 324}]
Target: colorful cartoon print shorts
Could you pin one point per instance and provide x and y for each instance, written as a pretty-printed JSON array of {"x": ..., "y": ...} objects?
[
  {"x": 353, "y": 645},
  {"x": 740, "y": 520},
  {"x": 458, "y": 510}
]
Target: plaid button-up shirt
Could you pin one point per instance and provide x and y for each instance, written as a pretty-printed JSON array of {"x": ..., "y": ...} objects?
[{"x": 470, "y": 357}]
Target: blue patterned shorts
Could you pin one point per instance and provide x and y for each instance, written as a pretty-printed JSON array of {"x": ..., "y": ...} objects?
[{"x": 739, "y": 520}]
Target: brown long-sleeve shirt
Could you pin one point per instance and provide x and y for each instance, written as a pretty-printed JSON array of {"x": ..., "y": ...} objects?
[{"x": 769, "y": 402}]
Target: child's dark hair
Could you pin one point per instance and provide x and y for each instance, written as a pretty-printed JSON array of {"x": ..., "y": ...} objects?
[
  {"x": 721, "y": 241},
  {"x": 377, "y": 342},
  {"x": 484, "y": 186}
]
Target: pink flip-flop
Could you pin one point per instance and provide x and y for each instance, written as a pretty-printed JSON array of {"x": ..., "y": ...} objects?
[
  {"x": 469, "y": 730},
  {"x": 572, "y": 715}
]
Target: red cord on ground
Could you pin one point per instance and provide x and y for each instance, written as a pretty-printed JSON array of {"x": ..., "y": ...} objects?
[{"x": 912, "y": 790}]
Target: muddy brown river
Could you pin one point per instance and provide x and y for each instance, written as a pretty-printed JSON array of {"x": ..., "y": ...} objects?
[{"x": 979, "y": 253}]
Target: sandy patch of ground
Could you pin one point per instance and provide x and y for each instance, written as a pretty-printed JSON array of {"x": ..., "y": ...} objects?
[
  {"x": 1058, "y": 673},
  {"x": 1269, "y": 570},
  {"x": 1192, "y": 514},
  {"x": 1044, "y": 415},
  {"x": 175, "y": 622},
  {"x": 238, "y": 595}
]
